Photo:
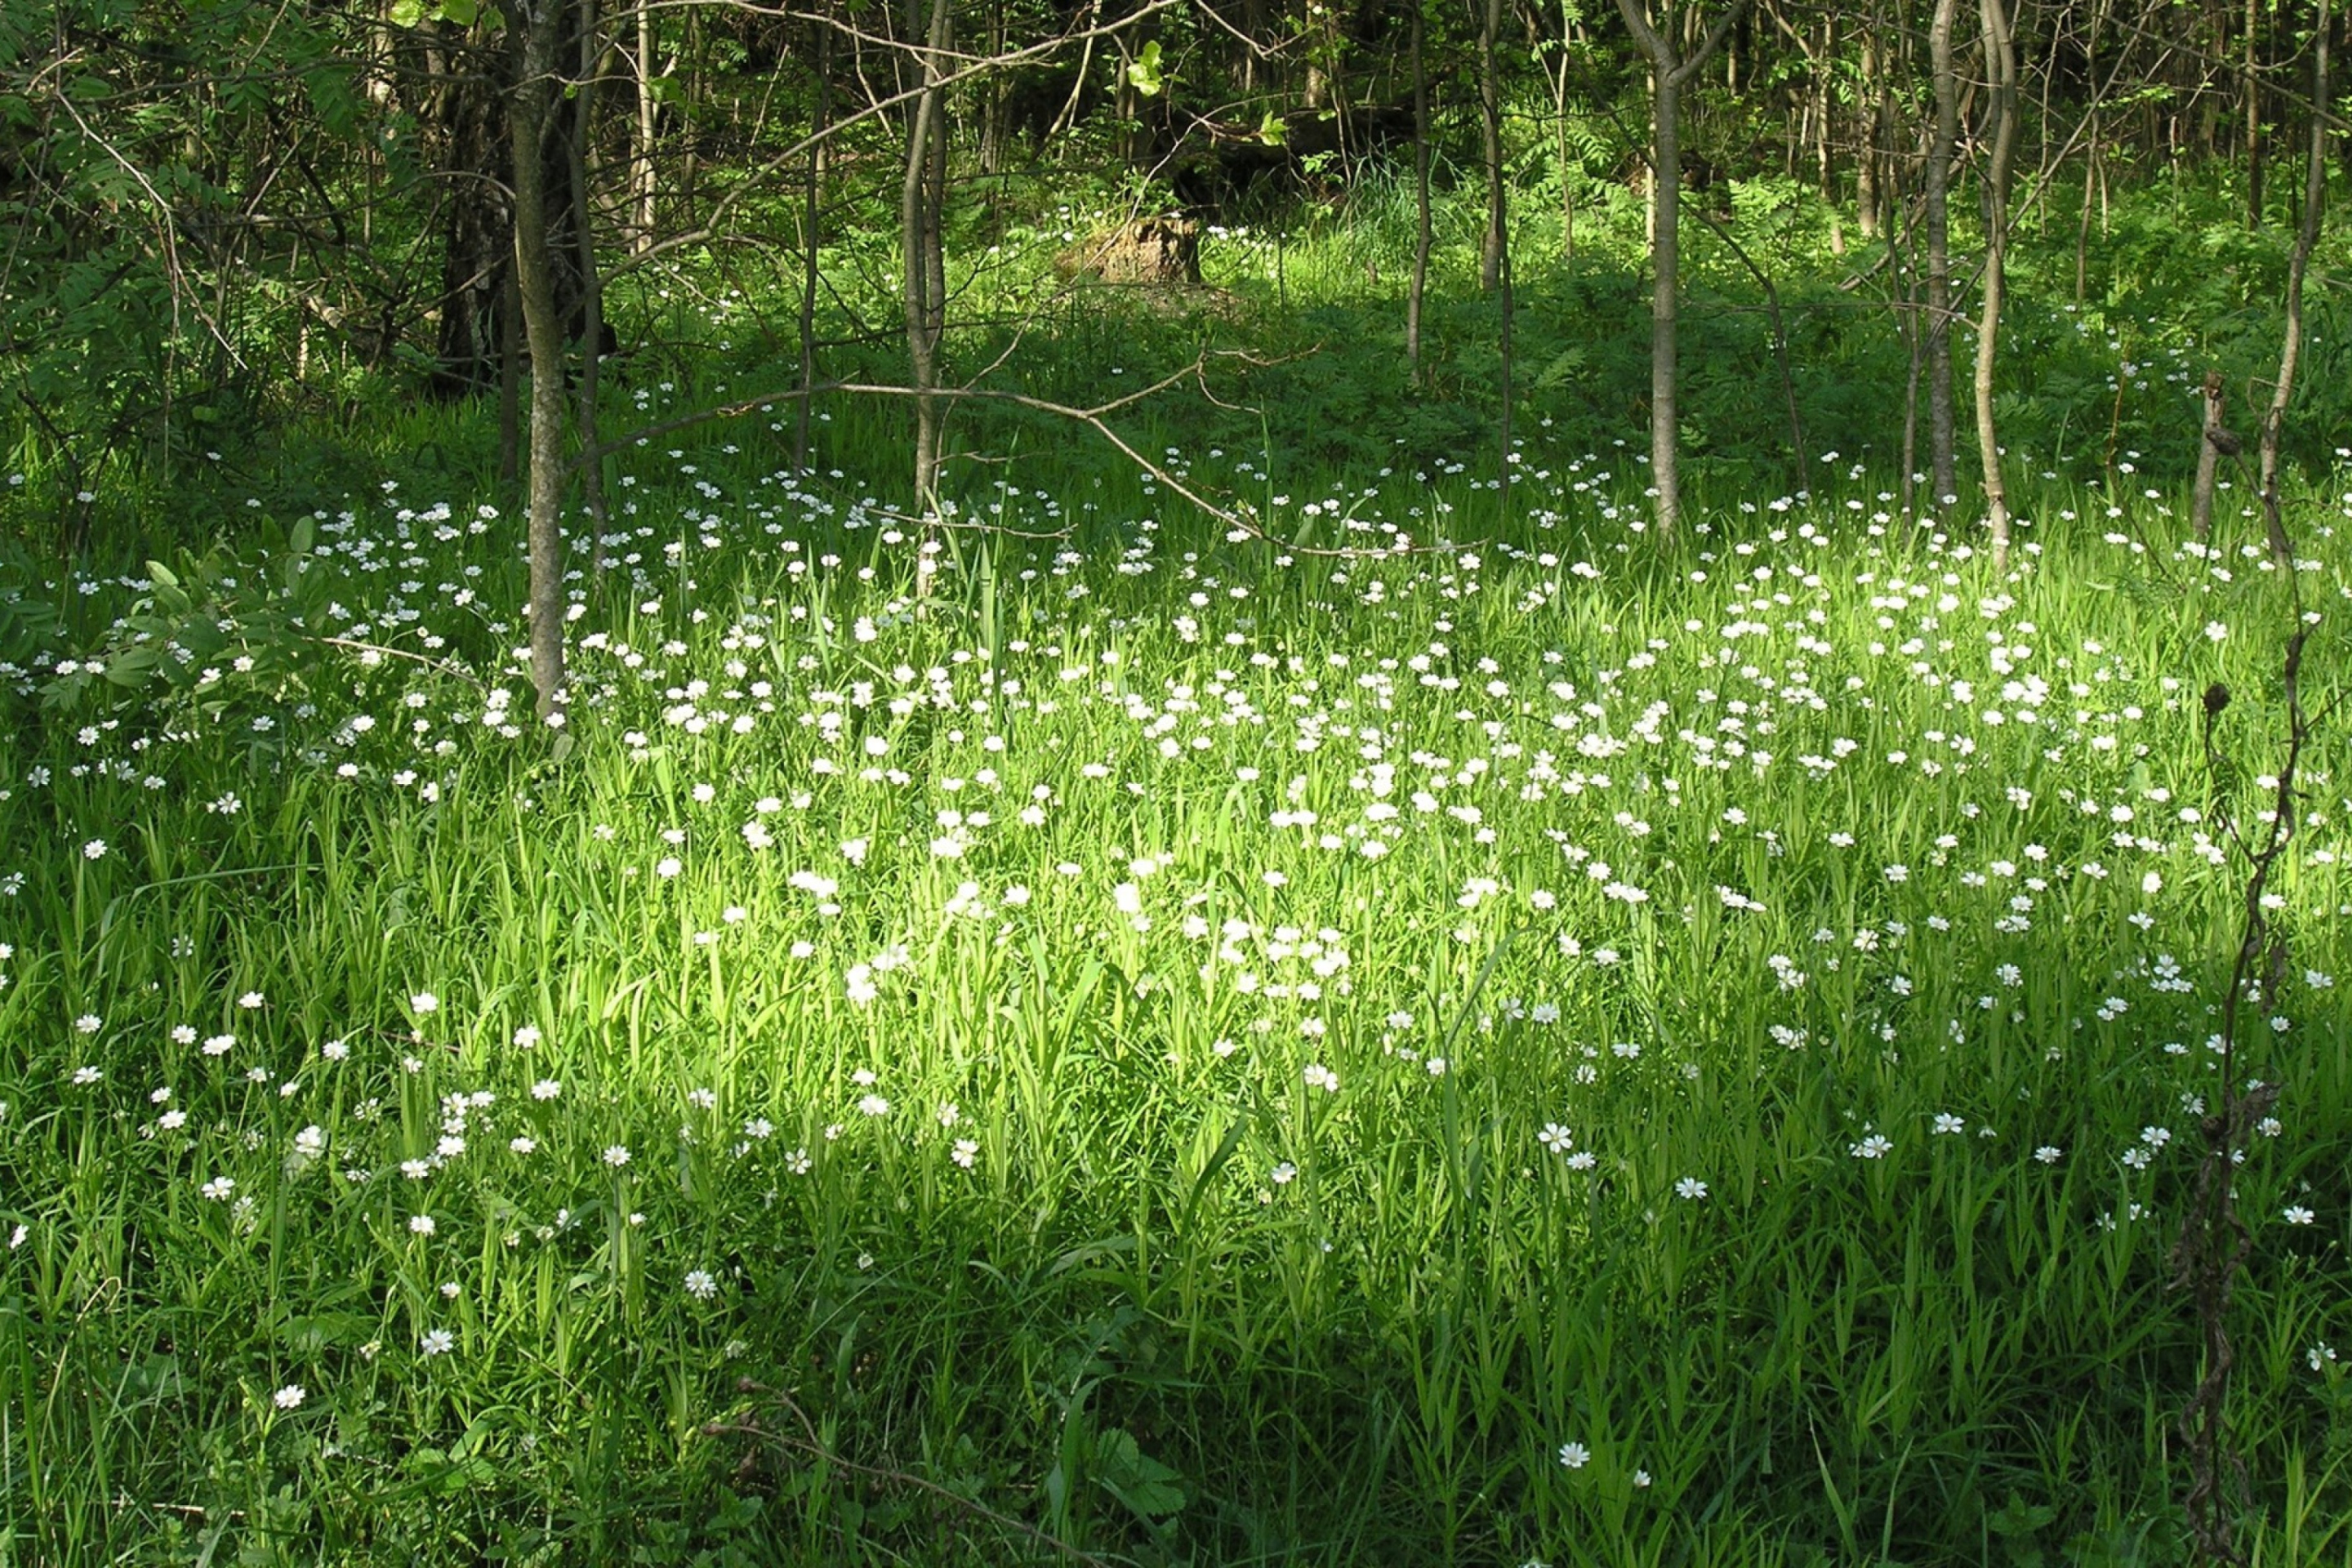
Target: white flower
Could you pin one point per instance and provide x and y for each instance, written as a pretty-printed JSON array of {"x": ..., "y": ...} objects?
[
  {"x": 965, "y": 1152},
  {"x": 523, "y": 1144},
  {"x": 527, "y": 1036},
  {"x": 85, "y": 1076},
  {"x": 1575, "y": 1456},
  {"x": 1873, "y": 1147},
  {"x": 439, "y": 1342},
  {"x": 1320, "y": 1077},
  {"x": 424, "y": 1002},
  {"x": 421, "y": 1224},
  {"x": 700, "y": 1285},
  {"x": 616, "y": 1156},
  {"x": 1284, "y": 1174},
  {"x": 87, "y": 1024},
  {"x": 94, "y": 850},
  {"x": 668, "y": 865},
  {"x": 2295, "y": 1214},
  {"x": 250, "y": 1000},
  {"x": 2049, "y": 1153},
  {"x": 1555, "y": 1138},
  {"x": 1691, "y": 1188},
  {"x": 1947, "y": 1124},
  {"x": 290, "y": 1397},
  {"x": 546, "y": 1088}
]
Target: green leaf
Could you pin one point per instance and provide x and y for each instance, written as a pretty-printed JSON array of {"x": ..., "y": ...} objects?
[
  {"x": 1150, "y": 1490},
  {"x": 1271, "y": 130},
  {"x": 1143, "y": 71}
]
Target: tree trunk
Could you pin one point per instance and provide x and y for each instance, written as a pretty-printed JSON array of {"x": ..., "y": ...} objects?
[
  {"x": 1941, "y": 144},
  {"x": 919, "y": 235},
  {"x": 641, "y": 159},
  {"x": 1421, "y": 236},
  {"x": 591, "y": 287},
  {"x": 1874, "y": 134},
  {"x": 2253, "y": 107},
  {"x": 2001, "y": 59},
  {"x": 2315, "y": 198},
  {"x": 539, "y": 24},
  {"x": 2211, "y": 437},
  {"x": 812, "y": 213},
  {"x": 1670, "y": 68},
  {"x": 1665, "y": 272},
  {"x": 1490, "y": 115}
]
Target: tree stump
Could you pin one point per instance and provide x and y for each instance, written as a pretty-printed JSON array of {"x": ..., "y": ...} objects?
[{"x": 1159, "y": 250}]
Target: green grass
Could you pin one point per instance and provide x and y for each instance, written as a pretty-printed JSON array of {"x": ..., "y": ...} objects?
[{"x": 1260, "y": 916}]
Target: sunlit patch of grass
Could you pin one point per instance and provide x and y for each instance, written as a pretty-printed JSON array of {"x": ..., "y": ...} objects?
[{"x": 1523, "y": 1052}]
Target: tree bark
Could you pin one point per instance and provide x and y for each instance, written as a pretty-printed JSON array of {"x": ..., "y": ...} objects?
[
  {"x": 641, "y": 160},
  {"x": 591, "y": 287},
  {"x": 1490, "y": 115},
  {"x": 2253, "y": 107},
  {"x": 1941, "y": 141},
  {"x": 2211, "y": 437},
  {"x": 1670, "y": 69},
  {"x": 2001, "y": 57},
  {"x": 2314, "y": 196},
  {"x": 1873, "y": 134},
  {"x": 919, "y": 235},
  {"x": 1421, "y": 236},
  {"x": 811, "y": 216},
  {"x": 537, "y": 25}
]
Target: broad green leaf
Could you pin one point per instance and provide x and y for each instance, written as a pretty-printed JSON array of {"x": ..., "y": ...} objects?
[{"x": 1143, "y": 71}]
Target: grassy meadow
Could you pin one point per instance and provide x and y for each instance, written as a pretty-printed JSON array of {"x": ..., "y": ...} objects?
[{"x": 1498, "y": 1045}]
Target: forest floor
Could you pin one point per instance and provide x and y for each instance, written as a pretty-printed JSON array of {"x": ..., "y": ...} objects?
[{"x": 1506, "y": 1043}]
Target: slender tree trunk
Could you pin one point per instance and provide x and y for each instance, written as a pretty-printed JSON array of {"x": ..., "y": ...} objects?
[
  {"x": 539, "y": 25},
  {"x": 690, "y": 87},
  {"x": 2211, "y": 438},
  {"x": 1915, "y": 345},
  {"x": 1420, "y": 235},
  {"x": 1490, "y": 112},
  {"x": 919, "y": 232},
  {"x": 592, "y": 285},
  {"x": 1569, "y": 169},
  {"x": 812, "y": 213},
  {"x": 2253, "y": 117},
  {"x": 2315, "y": 198},
  {"x": 641, "y": 159},
  {"x": 1824, "y": 115},
  {"x": 1873, "y": 134},
  {"x": 2001, "y": 57},
  {"x": 1670, "y": 68},
  {"x": 1941, "y": 141},
  {"x": 1665, "y": 273}
]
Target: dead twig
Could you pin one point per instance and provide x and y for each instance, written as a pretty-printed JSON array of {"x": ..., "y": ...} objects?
[{"x": 808, "y": 1443}]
